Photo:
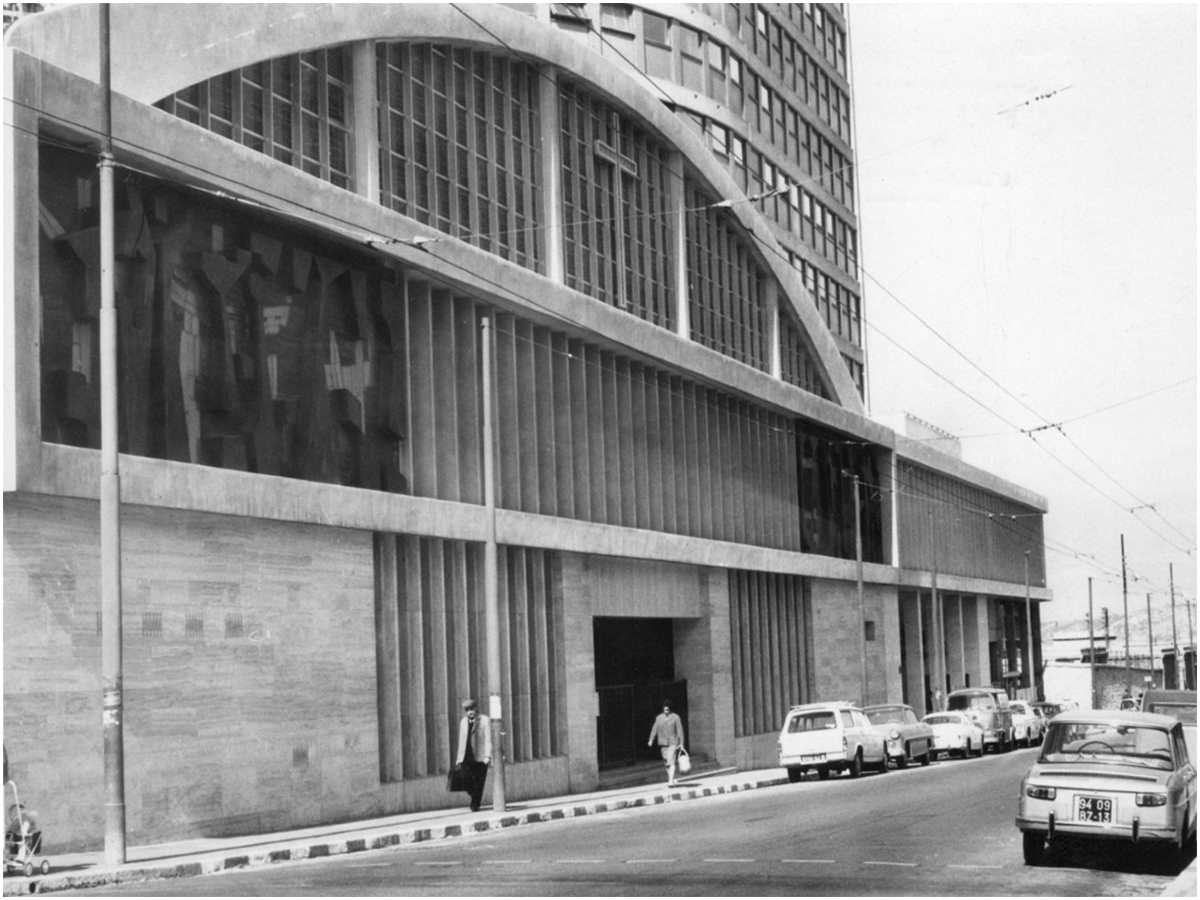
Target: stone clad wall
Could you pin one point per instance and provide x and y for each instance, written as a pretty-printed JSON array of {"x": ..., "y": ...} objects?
[{"x": 249, "y": 669}]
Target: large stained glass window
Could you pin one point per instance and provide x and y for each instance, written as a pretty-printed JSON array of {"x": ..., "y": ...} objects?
[
  {"x": 459, "y": 137},
  {"x": 295, "y": 108}
]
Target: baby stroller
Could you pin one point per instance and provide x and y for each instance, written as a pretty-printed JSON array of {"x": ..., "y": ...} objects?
[{"x": 22, "y": 837}]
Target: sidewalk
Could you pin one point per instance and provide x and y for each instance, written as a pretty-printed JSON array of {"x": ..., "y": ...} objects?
[{"x": 205, "y": 856}]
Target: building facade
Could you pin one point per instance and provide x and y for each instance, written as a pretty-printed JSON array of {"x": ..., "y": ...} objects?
[{"x": 652, "y": 207}]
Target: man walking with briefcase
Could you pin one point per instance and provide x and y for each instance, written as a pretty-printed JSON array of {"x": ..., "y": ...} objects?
[{"x": 474, "y": 750}]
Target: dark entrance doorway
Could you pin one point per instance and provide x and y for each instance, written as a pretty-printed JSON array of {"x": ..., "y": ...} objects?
[{"x": 635, "y": 671}]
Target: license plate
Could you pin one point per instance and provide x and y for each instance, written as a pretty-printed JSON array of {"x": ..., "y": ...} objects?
[
  {"x": 1093, "y": 809},
  {"x": 813, "y": 757}
]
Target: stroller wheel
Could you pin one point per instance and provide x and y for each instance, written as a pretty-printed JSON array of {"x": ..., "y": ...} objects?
[
  {"x": 44, "y": 868},
  {"x": 28, "y": 869}
]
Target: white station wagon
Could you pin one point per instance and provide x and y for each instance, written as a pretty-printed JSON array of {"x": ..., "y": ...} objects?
[{"x": 829, "y": 737}]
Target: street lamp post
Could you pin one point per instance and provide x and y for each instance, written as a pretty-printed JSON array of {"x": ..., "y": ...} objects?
[{"x": 1031, "y": 682}]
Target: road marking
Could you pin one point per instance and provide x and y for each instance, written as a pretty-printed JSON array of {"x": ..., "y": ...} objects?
[
  {"x": 579, "y": 861},
  {"x": 957, "y": 866},
  {"x": 719, "y": 859},
  {"x": 871, "y": 862},
  {"x": 508, "y": 862},
  {"x": 808, "y": 860},
  {"x": 434, "y": 862},
  {"x": 644, "y": 861}
]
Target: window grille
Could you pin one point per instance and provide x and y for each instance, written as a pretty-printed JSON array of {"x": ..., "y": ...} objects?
[
  {"x": 724, "y": 292},
  {"x": 295, "y": 108},
  {"x": 458, "y": 133},
  {"x": 617, "y": 230}
]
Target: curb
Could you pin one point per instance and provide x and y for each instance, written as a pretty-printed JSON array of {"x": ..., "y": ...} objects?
[
  {"x": 1184, "y": 884},
  {"x": 378, "y": 839}
]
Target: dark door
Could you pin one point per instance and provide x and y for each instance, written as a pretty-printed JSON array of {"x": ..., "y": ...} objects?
[{"x": 635, "y": 672}]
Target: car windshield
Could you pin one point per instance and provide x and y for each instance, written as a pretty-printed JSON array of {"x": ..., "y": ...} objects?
[
  {"x": 886, "y": 716},
  {"x": 813, "y": 721},
  {"x": 943, "y": 719},
  {"x": 971, "y": 701},
  {"x": 1184, "y": 712},
  {"x": 1107, "y": 742}
]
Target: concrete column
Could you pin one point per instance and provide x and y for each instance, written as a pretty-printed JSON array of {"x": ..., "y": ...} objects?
[
  {"x": 551, "y": 173},
  {"x": 366, "y": 121},
  {"x": 698, "y": 658},
  {"x": 771, "y": 295},
  {"x": 678, "y": 199},
  {"x": 582, "y": 705}
]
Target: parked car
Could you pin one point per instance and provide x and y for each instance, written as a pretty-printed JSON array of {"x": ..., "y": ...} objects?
[
  {"x": 1027, "y": 724},
  {"x": 1047, "y": 708},
  {"x": 1109, "y": 774},
  {"x": 829, "y": 737},
  {"x": 955, "y": 732},
  {"x": 1179, "y": 704},
  {"x": 989, "y": 709},
  {"x": 906, "y": 736}
]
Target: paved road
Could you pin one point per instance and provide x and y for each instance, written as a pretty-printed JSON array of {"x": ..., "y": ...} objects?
[{"x": 942, "y": 830}]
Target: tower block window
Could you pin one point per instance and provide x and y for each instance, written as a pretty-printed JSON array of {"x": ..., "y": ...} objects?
[{"x": 459, "y": 132}]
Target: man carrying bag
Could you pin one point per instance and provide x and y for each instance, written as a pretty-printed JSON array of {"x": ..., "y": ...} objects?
[{"x": 474, "y": 754}]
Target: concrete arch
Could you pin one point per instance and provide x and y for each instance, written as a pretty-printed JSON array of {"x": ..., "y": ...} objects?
[{"x": 157, "y": 49}]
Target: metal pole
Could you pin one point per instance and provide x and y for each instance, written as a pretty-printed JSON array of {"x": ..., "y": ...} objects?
[
  {"x": 1125, "y": 600},
  {"x": 935, "y": 624},
  {"x": 111, "y": 674},
  {"x": 1029, "y": 680},
  {"x": 1174, "y": 631},
  {"x": 1091, "y": 648},
  {"x": 862, "y": 608},
  {"x": 1150, "y": 634},
  {"x": 490, "y": 575}
]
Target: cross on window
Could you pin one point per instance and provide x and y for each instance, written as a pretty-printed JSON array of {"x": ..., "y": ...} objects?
[{"x": 611, "y": 205}]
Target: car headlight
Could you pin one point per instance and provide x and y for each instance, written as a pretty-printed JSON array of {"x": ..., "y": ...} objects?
[
  {"x": 1039, "y": 792},
  {"x": 894, "y": 735},
  {"x": 1150, "y": 799}
]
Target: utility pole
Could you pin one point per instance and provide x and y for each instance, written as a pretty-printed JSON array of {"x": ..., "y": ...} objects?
[
  {"x": 491, "y": 575},
  {"x": 1150, "y": 634},
  {"x": 1105, "y": 611},
  {"x": 1091, "y": 647},
  {"x": 935, "y": 623},
  {"x": 1174, "y": 633},
  {"x": 111, "y": 663},
  {"x": 862, "y": 609},
  {"x": 1029, "y": 679},
  {"x": 1125, "y": 600}
]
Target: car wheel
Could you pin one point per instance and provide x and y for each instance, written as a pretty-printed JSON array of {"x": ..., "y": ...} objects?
[
  {"x": 823, "y": 773},
  {"x": 1183, "y": 849},
  {"x": 883, "y": 763},
  {"x": 856, "y": 765},
  {"x": 1033, "y": 845},
  {"x": 795, "y": 774},
  {"x": 979, "y": 752},
  {"x": 928, "y": 757},
  {"x": 902, "y": 759},
  {"x": 967, "y": 751}
]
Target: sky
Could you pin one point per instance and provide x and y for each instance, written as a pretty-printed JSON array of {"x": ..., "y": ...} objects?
[{"x": 1028, "y": 188}]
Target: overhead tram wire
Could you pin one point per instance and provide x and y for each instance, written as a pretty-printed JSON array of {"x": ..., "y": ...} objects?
[
  {"x": 220, "y": 194},
  {"x": 769, "y": 247}
]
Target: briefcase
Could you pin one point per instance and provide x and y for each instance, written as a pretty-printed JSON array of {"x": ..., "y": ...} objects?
[{"x": 458, "y": 778}]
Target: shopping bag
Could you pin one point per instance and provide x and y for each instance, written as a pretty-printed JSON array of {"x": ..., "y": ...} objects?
[
  {"x": 683, "y": 762},
  {"x": 458, "y": 779}
]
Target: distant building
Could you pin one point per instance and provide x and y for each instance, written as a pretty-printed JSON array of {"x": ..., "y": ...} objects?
[
  {"x": 14, "y": 11},
  {"x": 317, "y": 206}
]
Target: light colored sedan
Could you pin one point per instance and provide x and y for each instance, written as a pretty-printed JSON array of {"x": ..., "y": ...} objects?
[
  {"x": 906, "y": 736},
  {"x": 1110, "y": 775},
  {"x": 955, "y": 732},
  {"x": 1027, "y": 724}
]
